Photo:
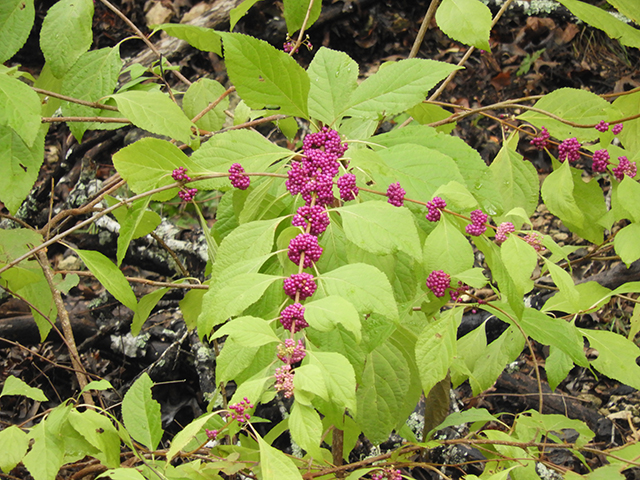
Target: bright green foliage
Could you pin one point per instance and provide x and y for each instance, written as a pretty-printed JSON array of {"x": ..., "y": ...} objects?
[
  {"x": 141, "y": 413},
  {"x": 238, "y": 12},
  {"x": 21, "y": 110},
  {"x": 275, "y": 465},
  {"x": 198, "y": 96},
  {"x": 16, "y": 19},
  {"x": 329, "y": 312},
  {"x": 629, "y": 105},
  {"x": 204, "y": 39},
  {"x": 447, "y": 249},
  {"x": 295, "y": 12},
  {"x": 306, "y": 428},
  {"x": 13, "y": 443},
  {"x": 248, "y": 331},
  {"x": 15, "y": 386},
  {"x": 467, "y": 21},
  {"x": 146, "y": 304},
  {"x": 629, "y": 8},
  {"x": 98, "y": 430},
  {"x": 66, "y": 34}
]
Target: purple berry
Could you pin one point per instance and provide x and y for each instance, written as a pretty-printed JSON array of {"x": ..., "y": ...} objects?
[
  {"x": 625, "y": 167},
  {"x": 347, "y": 187},
  {"x": 395, "y": 194},
  {"x": 316, "y": 216},
  {"x": 435, "y": 205},
  {"x": 602, "y": 126},
  {"x": 187, "y": 194},
  {"x": 569, "y": 149},
  {"x": 600, "y": 161},
  {"x": 300, "y": 283},
  {"x": 477, "y": 226},
  {"x": 239, "y": 410},
  {"x": 503, "y": 229},
  {"x": 438, "y": 282},
  {"x": 180, "y": 175},
  {"x": 292, "y": 318},
  {"x": 535, "y": 240},
  {"x": 284, "y": 380},
  {"x": 617, "y": 128},
  {"x": 237, "y": 177},
  {"x": 289, "y": 352},
  {"x": 307, "y": 244},
  {"x": 541, "y": 142}
]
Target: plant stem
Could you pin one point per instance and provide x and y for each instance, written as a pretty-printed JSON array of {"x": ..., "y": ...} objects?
[{"x": 431, "y": 11}]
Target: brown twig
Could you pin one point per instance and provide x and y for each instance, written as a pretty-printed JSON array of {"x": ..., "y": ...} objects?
[
  {"x": 213, "y": 104},
  {"x": 85, "y": 119},
  {"x": 75, "y": 100},
  {"x": 431, "y": 11}
]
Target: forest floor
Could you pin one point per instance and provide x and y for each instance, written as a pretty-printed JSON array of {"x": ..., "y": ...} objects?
[{"x": 530, "y": 56}]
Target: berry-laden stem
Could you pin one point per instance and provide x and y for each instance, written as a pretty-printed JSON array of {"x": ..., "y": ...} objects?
[{"x": 302, "y": 29}]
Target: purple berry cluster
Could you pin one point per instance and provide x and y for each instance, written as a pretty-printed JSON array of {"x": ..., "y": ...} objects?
[
  {"x": 395, "y": 194},
  {"x": 602, "y": 126},
  {"x": 478, "y": 223},
  {"x": 617, "y": 128},
  {"x": 347, "y": 186},
  {"x": 305, "y": 245},
  {"x": 301, "y": 285},
  {"x": 541, "y": 142},
  {"x": 212, "y": 434},
  {"x": 284, "y": 380},
  {"x": 187, "y": 194},
  {"x": 387, "y": 474},
  {"x": 569, "y": 149},
  {"x": 292, "y": 318},
  {"x": 438, "y": 282},
  {"x": 239, "y": 410},
  {"x": 535, "y": 240},
  {"x": 503, "y": 229},
  {"x": 313, "y": 217},
  {"x": 434, "y": 206},
  {"x": 238, "y": 178},
  {"x": 291, "y": 353},
  {"x": 180, "y": 175},
  {"x": 600, "y": 161},
  {"x": 625, "y": 167},
  {"x": 459, "y": 290}
]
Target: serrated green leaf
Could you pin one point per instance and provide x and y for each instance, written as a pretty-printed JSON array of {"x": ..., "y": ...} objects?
[
  {"x": 148, "y": 163},
  {"x": 66, "y": 34},
  {"x": 396, "y": 87},
  {"x": 308, "y": 378},
  {"x": 446, "y": 248},
  {"x": 627, "y": 245},
  {"x": 13, "y": 444},
  {"x": 327, "y": 313},
  {"x": 20, "y": 166},
  {"x": 275, "y": 465},
  {"x": 141, "y": 413},
  {"x": 366, "y": 287},
  {"x": 472, "y": 415},
  {"x": 20, "y": 109},
  {"x": 426, "y": 113},
  {"x": 338, "y": 375},
  {"x": 15, "y": 386},
  {"x": 520, "y": 259},
  {"x": 198, "y": 96},
  {"x": 578, "y": 106},
  {"x": 122, "y": 474},
  {"x": 146, "y": 304},
  {"x": 184, "y": 436},
  {"x": 557, "y": 366},
  {"x": 629, "y": 8},
  {"x": 306, "y": 428},
  {"x": 254, "y": 152},
  {"x": 231, "y": 299},
  {"x": 98, "y": 385},
  {"x": 98, "y": 431},
  {"x": 16, "y": 20},
  {"x": 629, "y": 190},
  {"x": 92, "y": 77},
  {"x": 474, "y": 277},
  {"x": 629, "y": 105},
  {"x": 47, "y": 452},
  {"x": 248, "y": 331},
  {"x": 498, "y": 353},
  {"x": 109, "y": 276},
  {"x": 334, "y": 77},
  {"x": 591, "y": 295},
  {"x": 265, "y": 76},
  {"x": 295, "y": 12},
  {"x": 594, "y": 16},
  {"x": 557, "y": 193},
  {"x": 380, "y": 228},
  {"x": 238, "y": 12},
  {"x": 564, "y": 282},
  {"x": 205, "y": 39},
  {"x": 436, "y": 347},
  {"x": 154, "y": 111},
  {"x": 466, "y": 21}
]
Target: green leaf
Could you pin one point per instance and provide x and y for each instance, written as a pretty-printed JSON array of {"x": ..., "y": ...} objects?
[
  {"x": 46, "y": 455},
  {"x": 295, "y": 12},
  {"x": 520, "y": 259},
  {"x": 66, "y": 34},
  {"x": 231, "y": 299},
  {"x": 141, "y": 413},
  {"x": 592, "y": 295},
  {"x": 254, "y": 152},
  {"x": 436, "y": 347},
  {"x": 338, "y": 376},
  {"x": 98, "y": 431},
  {"x": 629, "y": 8},
  {"x": 472, "y": 415},
  {"x": 366, "y": 287},
  {"x": 380, "y": 228},
  {"x": 578, "y": 106},
  {"x": 557, "y": 366},
  {"x": 20, "y": 166},
  {"x": 205, "y": 39},
  {"x": 184, "y": 436},
  {"x": 154, "y": 111},
  {"x": 446, "y": 248},
  {"x": 98, "y": 385},
  {"x": 306, "y": 428},
  {"x": 557, "y": 193},
  {"x": 596, "y": 17},
  {"x": 275, "y": 465},
  {"x": 16, "y": 20},
  {"x": 15, "y": 386},
  {"x": 92, "y": 77},
  {"x": 629, "y": 105},
  {"x": 396, "y": 87},
  {"x": 248, "y": 331},
  {"x": 553, "y": 424},
  {"x": 147, "y": 303},
  {"x": 629, "y": 190},
  {"x": 616, "y": 356},
  {"x": 264, "y": 76},
  {"x": 20, "y": 108},
  {"x": 627, "y": 245},
  {"x": 109, "y": 276},
  {"x": 381, "y": 392},
  {"x": 516, "y": 179},
  {"x": 327, "y": 313},
  {"x": 122, "y": 474},
  {"x": 564, "y": 282},
  {"x": 13, "y": 444},
  {"x": 238, "y": 12},
  {"x": 426, "y": 113},
  {"x": 198, "y": 96},
  {"x": 148, "y": 163},
  {"x": 308, "y": 379},
  {"x": 466, "y": 21},
  {"x": 334, "y": 77},
  {"x": 498, "y": 353}
]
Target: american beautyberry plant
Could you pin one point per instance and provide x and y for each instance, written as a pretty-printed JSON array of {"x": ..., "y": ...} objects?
[{"x": 331, "y": 257}]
